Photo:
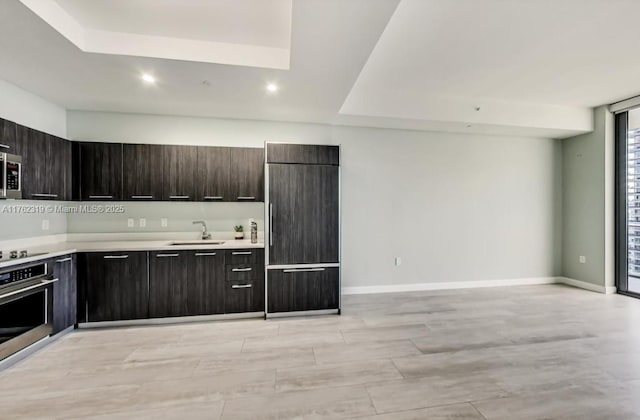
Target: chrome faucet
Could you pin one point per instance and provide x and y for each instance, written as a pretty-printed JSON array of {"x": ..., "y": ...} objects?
[{"x": 205, "y": 233}]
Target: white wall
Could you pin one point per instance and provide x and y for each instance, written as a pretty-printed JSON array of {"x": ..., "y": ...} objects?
[
  {"x": 588, "y": 177},
  {"x": 454, "y": 207},
  {"x": 32, "y": 111}
]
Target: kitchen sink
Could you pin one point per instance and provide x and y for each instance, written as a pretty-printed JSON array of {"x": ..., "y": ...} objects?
[{"x": 197, "y": 242}]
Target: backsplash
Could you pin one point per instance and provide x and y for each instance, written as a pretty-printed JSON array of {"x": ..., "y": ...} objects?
[
  {"x": 220, "y": 217},
  {"x": 27, "y": 219}
]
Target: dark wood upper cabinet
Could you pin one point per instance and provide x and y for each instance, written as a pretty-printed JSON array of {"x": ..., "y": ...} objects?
[
  {"x": 59, "y": 167},
  {"x": 33, "y": 149},
  {"x": 304, "y": 206},
  {"x": 100, "y": 171},
  {"x": 64, "y": 292},
  {"x": 308, "y": 154},
  {"x": 247, "y": 174},
  {"x": 180, "y": 167},
  {"x": 46, "y": 165},
  {"x": 142, "y": 175},
  {"x": 213, "y": 174},
  {"x": 8, "y": 133},
  {"x": 115, "y": 286}
]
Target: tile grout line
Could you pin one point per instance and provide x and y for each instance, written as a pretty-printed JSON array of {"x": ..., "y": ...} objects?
[{"x": 476, "y": 408}]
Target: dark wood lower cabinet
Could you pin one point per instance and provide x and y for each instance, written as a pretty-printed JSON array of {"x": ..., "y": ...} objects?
[
  {"x": 64, "y": 292},
  {"x": 115, "y": 286},
  {"x": 303, "y": 289},
  {"x": 205, "y": 295},
  {"x": 168, "y": 283},
  {"x": 186, "y": 283},
  {"x": 244, "y": 296}
]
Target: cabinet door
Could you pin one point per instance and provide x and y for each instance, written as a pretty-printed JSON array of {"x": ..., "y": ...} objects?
[
  {"x": 168, "y": 282},
  {"x": 116, "y": 286},
  {"x": 59, "y": 167},
  {"x": 180, "y": 165},
  {"x": 8, "y": 133},
  {"x": 304, "y": 207},
  {"x": 247, "y": 174},
  {"x": 64, "y": 292},
  {"x": 33, "y": 149},
  {"x": 142, "y": 174},
  {"x": 206, "y": 282},
  {"x": 303, "y": 289},
  {"x": 244, "y": 296},
  {"x": 213, "y": 174},
  {"x": 101, "y": 171}
]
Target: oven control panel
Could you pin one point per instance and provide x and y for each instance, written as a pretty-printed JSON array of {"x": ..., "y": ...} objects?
[{"x": 21, "y": 274}]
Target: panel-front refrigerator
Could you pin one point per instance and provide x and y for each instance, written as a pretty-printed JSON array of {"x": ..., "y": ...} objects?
[{"x": 302, "y": 214}]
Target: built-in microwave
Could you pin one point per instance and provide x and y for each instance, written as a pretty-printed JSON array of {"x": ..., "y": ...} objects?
[{"x": 10, "y": 176}]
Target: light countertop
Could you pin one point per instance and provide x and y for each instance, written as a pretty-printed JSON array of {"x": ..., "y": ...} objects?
[{"x": 58, "y": 249}]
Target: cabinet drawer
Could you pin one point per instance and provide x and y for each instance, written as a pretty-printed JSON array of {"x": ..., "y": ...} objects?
[
  {"x": 303, "y": 289},
  {"x": 244, "y": 256},
  {"x": 243, "y": 272},
  {"x": 244, "y": 296}
]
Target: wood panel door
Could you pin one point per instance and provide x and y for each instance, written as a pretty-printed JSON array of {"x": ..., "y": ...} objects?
[
  {"x": 168, "y": 283},
  {"x": 213, "y": 174},
  {"x": 142, "y": 174},
  {"x": 64, "y": 292},
  {"x": 100, "y": 171},
  {"x": 304, "y": 214},
  {"x": 247, "y": 174},
  {"x": 180, "y": 166},
  {"x": 33, "y": 149},
  {"x": 59, "y": 167},
  {"x": 304, "y": 289},
  {"x": 206, "y": 285},
  {"x": 8, "y": 133},
  {"x": 116, "y": 286}
]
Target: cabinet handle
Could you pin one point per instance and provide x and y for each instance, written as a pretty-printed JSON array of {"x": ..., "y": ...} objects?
[
  {"x": 45, "y": 195},
  {"x": 167, "y": 255},
  {"x": 115, "y": 257},
  {"x": 241, "y": 286},
  {"x": 270, "y": 224},
  {"x": 241, "y": 269},
  {"x": 64, "y": 260},
  {"x": 246, "y": 198},
  {"x": 4, "y": 146},
  {"x": 104, "y": 197},
  {"x": 178, "y": 197},
  {"x": 213, "y": 197},
  {"x": 142, "y": 197},
  {"x": 302, "y": 270},
  {"x": 242, "y": 253},
  {"x": 205, "y": 254}
]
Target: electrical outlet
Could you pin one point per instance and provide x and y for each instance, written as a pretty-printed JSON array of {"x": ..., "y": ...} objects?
[
  {"x": 164, "y": 222},
  {"x": 583, "y": 259},
  {"x": 143, "y": 222},
  {"x": 398, "y": 261},
  {"x": 45, "y": 224},
  {"x": 131, "y": 223}
]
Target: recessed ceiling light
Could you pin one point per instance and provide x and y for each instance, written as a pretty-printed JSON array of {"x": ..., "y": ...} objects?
[
  {"x": 272, "y": 87},
  {"x": 147, "y": 78}
]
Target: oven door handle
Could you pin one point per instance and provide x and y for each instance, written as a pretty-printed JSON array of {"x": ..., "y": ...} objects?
[{"x": 26, "y": 289}]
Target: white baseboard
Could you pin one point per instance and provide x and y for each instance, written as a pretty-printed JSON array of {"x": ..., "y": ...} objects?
[
  {"x": 586, "y": 285},
  {"x": 415, "y": 287}
]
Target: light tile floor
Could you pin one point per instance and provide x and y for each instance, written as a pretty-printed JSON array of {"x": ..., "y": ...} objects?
[{"x": 539, "y": 352}]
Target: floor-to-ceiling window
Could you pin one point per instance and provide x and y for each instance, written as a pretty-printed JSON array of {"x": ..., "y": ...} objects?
[{"x": 628, "y": 201}]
